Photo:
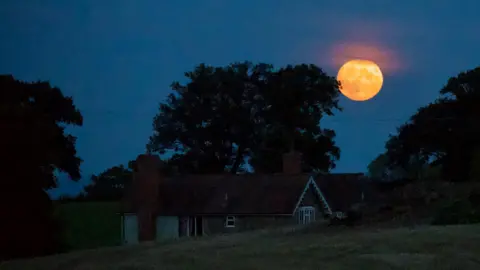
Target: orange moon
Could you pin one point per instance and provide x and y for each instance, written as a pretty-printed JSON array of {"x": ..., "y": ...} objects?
[{"x": 360, "y": 80}]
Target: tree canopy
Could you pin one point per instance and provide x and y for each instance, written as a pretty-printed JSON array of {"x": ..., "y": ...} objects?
[
  {"x": 34, "y": 146},
  {"x": 110, "y": 184},
  {"x": 380, "y": 169},
  {"x": 224, "y": 115},
  {"x": 445, "y": 132}
]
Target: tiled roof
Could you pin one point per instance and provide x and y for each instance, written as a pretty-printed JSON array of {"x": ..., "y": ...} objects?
[{"x": 250, "y": 194}]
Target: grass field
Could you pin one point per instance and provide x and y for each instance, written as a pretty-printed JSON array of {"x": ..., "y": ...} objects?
[
  {"x": 90, "y": 224},
  {"x": 423, "y": 248}
]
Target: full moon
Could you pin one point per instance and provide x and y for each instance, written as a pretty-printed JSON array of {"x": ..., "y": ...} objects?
[{"x": 360, "y": 80}]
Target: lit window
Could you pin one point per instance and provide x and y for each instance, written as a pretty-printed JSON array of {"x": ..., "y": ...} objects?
[
  {"x": 306, "y": 215},
  {"x": 230, "y": 221}
]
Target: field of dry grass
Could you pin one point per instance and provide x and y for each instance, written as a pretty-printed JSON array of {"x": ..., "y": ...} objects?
[{"x": 452, "y": 247}]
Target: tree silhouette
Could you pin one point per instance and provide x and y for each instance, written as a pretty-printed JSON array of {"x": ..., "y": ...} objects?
[
  {"x": 34, "y": 146},
  {"x": 446, "y": 131},
  {"x": 380, "y": 169},
  {"x": 226, "y": 114},
  {"x": 110, "y": 184}
]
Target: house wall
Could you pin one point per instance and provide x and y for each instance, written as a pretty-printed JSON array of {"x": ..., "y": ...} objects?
[
  {"x": 216, "y": 224},
  {"x": 171, "y": 227},
  {"x": 183, "y": 226}
]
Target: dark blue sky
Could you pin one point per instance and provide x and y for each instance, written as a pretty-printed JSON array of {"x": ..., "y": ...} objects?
[{"x": 117, "y": 58}]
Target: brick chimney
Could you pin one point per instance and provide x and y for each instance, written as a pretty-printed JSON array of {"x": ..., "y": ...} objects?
[
  {"x": 146, "y": 180},
  {"x": 292, "y": 162}
]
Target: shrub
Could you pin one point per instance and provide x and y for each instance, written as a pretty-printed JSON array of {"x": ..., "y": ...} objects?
[
  {"x": 458, "y": 211},
  {"x": 353, "y": 217}
]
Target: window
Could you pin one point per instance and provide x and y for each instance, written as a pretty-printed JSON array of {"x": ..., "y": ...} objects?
[
  {"x": 230, "y": 222},
  {"x": 306, "y": 215}
]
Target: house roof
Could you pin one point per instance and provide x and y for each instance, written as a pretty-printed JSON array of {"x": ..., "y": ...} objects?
[
  {"x": 341, "y": 190},
  {"x": 249, "y": 194}
]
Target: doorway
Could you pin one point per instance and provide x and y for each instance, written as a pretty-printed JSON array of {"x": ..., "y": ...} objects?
[
  {"x": 191, "y": 226},
  {"x": 130, "y": 229},
  {"x": 198, "y": 226}
]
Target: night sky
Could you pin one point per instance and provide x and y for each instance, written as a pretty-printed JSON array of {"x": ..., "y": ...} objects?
[{"x": 117, "y": 58}]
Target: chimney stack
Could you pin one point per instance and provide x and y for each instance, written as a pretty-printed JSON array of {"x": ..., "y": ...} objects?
[
  {"x": 292, "y": 162},
  {"x": 146, "y": 180}
]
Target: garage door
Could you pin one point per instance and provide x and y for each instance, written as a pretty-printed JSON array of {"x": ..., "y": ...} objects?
[{"x": 130, "y": 229}]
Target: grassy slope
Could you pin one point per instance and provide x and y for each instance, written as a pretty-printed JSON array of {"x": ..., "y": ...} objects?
[
  {"x": 91, "y": 224},
  {"x": 453, "y": 247}
]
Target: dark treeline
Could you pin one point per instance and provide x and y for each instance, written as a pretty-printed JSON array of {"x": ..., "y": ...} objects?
[{"x": 441, "y": 140}]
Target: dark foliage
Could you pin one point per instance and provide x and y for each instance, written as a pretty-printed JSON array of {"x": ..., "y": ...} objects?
[
  {"x": 460, "y": 210},
  {"x": 110, "y": 184},
  {"x": 457, "y": 212},
  {"x": 352, "y": 219},
  {"x": 34, "y": 146},
  {"x": 68, "y": 199},
  {"x": 224, "y": 115},
  {"x": 385, "y": 186},
  {"x": 445, "y": 132}
]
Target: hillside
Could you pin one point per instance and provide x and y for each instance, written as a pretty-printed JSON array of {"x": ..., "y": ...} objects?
[{"x": 452, "y": 247}]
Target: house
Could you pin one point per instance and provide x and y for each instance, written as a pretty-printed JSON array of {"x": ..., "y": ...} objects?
[{"x": 157, "y": 208}]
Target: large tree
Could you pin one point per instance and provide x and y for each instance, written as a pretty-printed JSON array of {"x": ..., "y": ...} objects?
[
  {"x": 34, "y": 146},
  {"x": 297, "y": 98},
  {"x": 381, "y": 169},
  {"x": 110, "y": 184},
  {"x": 224, "y": 115},
  {"x": 446, "y": 131}
]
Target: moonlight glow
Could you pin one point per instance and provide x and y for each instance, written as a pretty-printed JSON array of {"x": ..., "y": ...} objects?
[{"x": 360, "y": 79}]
